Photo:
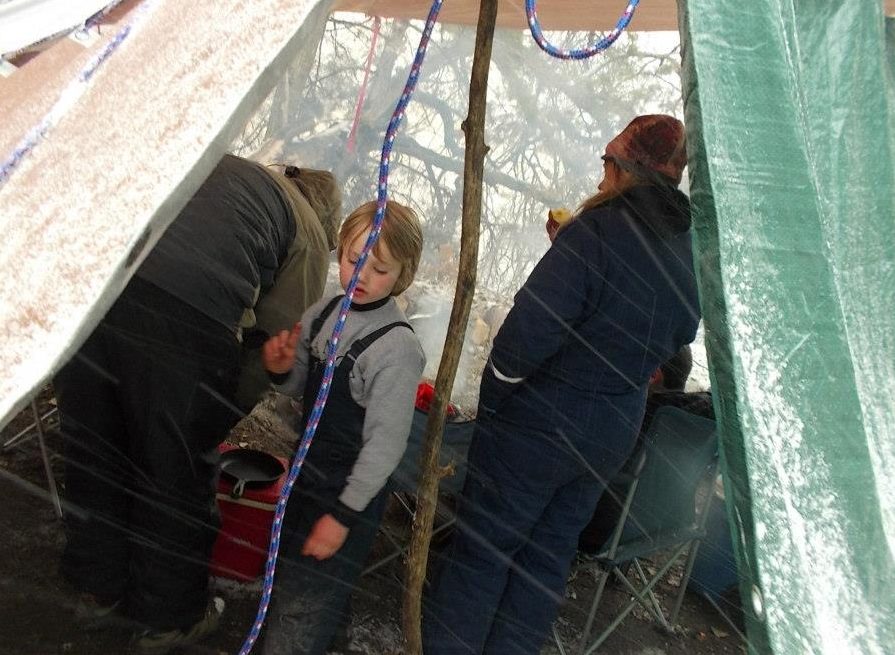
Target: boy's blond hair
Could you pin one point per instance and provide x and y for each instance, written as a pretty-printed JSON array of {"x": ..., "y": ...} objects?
[{"x": 401, "y": 233}]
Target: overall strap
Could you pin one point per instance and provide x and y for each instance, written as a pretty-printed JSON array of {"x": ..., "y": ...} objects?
[
  {"x": 361, "y": 345},
  {"x": 317, "y": 323}
]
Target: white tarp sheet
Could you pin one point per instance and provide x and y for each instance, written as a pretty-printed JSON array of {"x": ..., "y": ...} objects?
[{"x": 147, "y": 127}]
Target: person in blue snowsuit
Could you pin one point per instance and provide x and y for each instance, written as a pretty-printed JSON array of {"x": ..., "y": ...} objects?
[{"x": 563, "y": 394}]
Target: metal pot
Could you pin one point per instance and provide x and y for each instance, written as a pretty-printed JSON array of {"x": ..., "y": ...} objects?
[{"x": 249, "y": 467}]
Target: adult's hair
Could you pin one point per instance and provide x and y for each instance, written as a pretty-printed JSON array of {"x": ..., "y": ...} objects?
[
  {"x": 625, "y": 182},
  {"x": 321, "y": 190},
  {"x": 676, "y": 370},
  {"x": 401, "y": 233},
  {"x": 318, "y": 188}
]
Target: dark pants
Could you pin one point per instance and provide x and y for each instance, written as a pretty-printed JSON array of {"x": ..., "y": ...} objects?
[
  {"x": 310, "y": 598},
  {"x": 526, "y": 498},
  {"x": 143, "y": 405}
]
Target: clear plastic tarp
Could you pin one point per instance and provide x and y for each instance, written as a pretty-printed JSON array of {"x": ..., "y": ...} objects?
[
  {"x": 789, "y": 109},
  {"x": 547, "y": 124}
]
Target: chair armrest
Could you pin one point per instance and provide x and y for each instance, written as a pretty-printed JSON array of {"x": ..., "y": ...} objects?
[
  {"x": 632, "y": 468},
  {"x": 637, "y": 462}
]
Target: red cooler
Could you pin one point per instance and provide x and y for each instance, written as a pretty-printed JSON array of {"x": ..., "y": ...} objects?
[{"x": 241, "y": 547}]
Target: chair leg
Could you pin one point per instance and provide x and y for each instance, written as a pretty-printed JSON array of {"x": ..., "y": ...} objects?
[
  {"x": 685, "y": 578},
  {"x": 639, "y": 598},
  {"x": 45, "y": 456},
  {"x": 733, "y": 626},
  {"x": 658, "y": 613},
  {"x": 694, "y": 547},
  {"x": 587, "y": 650},
  {"x": 25, "y": 433},
  {"x": 592, "y": 613},
  {"x": 402, "y": 550},
  {"x": 558, "y": 641},
  {"x": 399, "y": 496}
]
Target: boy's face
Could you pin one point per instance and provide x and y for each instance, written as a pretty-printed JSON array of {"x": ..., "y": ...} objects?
[{"x": 377, "y": 277}]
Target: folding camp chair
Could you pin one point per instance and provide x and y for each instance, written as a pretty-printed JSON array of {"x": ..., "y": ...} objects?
[
  {"x": 456, "y": 439},
  {"x": 659, "y": 516}
]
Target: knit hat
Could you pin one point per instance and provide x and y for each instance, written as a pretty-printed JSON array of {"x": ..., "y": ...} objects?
[{"x": 650, "y": 144}]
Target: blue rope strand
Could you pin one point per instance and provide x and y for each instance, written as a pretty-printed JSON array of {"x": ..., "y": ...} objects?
[
  {"x": 72, "y": 92},
  {"x": 534, "y": 25},
  {"x": 323, "y": 393}
]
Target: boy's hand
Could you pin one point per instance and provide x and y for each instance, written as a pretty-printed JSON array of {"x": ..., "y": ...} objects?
[
  {"x": 326, "y": 537},
  {"x": 278, "y": 352}
]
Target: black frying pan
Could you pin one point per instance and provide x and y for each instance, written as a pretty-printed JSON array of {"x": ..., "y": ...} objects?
[{"x": 248, "y": 467}]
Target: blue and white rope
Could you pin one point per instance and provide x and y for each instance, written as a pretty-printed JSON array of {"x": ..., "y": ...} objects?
[
  {"x": 323, "y": 394},
  {"x": 531, "y": 13}
]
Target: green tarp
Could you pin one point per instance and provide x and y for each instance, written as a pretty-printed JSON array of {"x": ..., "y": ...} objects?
[{"x": 789, "y": 109}]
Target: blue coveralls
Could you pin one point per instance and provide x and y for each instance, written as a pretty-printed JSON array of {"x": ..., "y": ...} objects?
[
  {"x": 310, "y": 596},
  {"x": 560, "y": 405}
]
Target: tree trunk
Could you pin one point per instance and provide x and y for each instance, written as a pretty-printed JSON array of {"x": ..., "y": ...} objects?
[{"x": 432, "y": 472}]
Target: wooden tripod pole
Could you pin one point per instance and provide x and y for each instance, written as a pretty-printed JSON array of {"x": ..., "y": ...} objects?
[{"x": 427, "y": 492}]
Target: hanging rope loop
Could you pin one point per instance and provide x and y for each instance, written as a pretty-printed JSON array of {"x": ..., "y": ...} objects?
[{"x": 534, "y": 26}]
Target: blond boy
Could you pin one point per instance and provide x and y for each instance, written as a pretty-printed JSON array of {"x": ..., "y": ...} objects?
[{"x": 337, "y": 502}]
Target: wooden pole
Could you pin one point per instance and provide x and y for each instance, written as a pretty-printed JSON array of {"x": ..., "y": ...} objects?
[{"x": 427, "y": 492}]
